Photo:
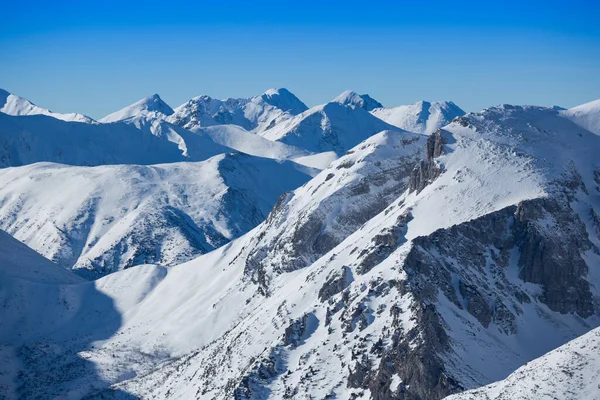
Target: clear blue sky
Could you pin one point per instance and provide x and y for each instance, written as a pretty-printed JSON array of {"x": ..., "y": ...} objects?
[{"x": 94, "y": 59}]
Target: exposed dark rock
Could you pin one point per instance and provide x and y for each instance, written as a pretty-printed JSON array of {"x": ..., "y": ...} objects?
[
  {"x": 336, "y": 283},
  {"x": 554, "y": 260},
  {"x": 427, "y": 170},
  {"x": 383, "y": 244}
]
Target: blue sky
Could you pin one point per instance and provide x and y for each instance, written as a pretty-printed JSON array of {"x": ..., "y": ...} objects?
[{"x": 96, "y": 58}]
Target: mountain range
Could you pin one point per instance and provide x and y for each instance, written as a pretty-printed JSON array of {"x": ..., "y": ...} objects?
[{"x": 257, "y": 248}]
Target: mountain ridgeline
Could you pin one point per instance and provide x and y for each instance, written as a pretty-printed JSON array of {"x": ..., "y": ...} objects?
[{"x": 256, "y": 248}]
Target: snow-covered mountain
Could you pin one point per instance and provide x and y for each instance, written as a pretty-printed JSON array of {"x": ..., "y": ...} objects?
[
  {"x": 586, "y": 115},
  {"x": 254, "y": 114},
  {"x": 35, "y": 138},
  {"x": 354, "y": 99},
  {"x": 570, "y": 372},
  {"x": 150, "y": 107},
  {"x": 415, "y": 266},
  {"x": 328, "y": 127},
  {"x": 420, "y": 117},
  {"x": 14, "y": 105},
  {"x": 103, "y": 219}
]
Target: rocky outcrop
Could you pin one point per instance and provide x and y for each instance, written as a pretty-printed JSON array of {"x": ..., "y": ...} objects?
[{"x": 427, "y": 170}]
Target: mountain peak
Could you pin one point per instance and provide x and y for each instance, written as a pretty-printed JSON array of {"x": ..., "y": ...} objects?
[
  {"x": 151, "y": 106},
  {"x": 12, "y": 104},
  {"x": 422, "y": 116},
  {"x": 353, "y": 99},
  {"x": 284, "y": 100}
]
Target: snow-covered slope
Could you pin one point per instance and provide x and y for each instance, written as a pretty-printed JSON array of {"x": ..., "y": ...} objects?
[
  {"x": 150, "y": 107},
  {"x": 21, "y": 262},
  {"x": 246, "y": 142},
  {"x": 354, "y": 99},
  {"x": 586, "y": 115},
  {"x": 35, "y": 138},
  {"x": 256, "y": 114},
  {"x": 420, "y": 117},
  {"x": 102, "y": 219},
  {"x": 570, "y": 372},
  {"x": 14, "y": 105},
  {"x": 328, "y": 127},
  {"x": 413, "y": 267}
]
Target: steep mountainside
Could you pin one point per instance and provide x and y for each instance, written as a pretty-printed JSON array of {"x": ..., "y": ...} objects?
[
  {"x": 420, "y": 117},
  {"x": 102, "y": 219},
  {"x": 14, "y": 105},
  {"x": 570, "y": 372},
  {"x": 150, "y": 107},
  {"x": 257, "y": 113},
  {"x": 413, "y": 267},
  {"x": 329, "y": 127}
]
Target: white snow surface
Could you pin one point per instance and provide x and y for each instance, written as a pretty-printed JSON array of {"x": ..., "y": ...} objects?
[
  {"x": 107, "y": 218},
  {"x": 14, "y": 105},
  {"x": 255, "y": 114},
  {"x": 354, "y": 99},
  {"x": 35, "y": 138},
  {"x": 150, "y": 107},
  {"x": 328, "y": 127},
  {"x": 202, "y": 328},
  {"x": 570, "y": 372},
  {"x": 586, "y": 115},
  {"x": 421, "y": 117}
]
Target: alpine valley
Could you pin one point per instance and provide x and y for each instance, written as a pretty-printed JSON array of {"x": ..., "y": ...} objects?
[{"x": 256, "y": 248}]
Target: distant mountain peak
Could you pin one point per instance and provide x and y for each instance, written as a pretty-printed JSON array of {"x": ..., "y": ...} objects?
[
  {"x": 148, "y": 106},
  {"x": 422, "y": 116},
  {"x": 284, "y": 100},
  {"x": 351, "y": 98},
  {"x": 12, "y": 104}
]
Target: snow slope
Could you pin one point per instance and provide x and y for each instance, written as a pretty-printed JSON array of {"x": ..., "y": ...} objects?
[
  {"x": 246, "y": 142},
  {"x": 412, "y": 267},
  {"x": 35, "y": 138},
  {"x": 150, "y": 107},
  {"x": 586, "y": 115},
  {"x": 368, "y": 313},
  {"x": 106, "y": 218},
  {"x": 329, "y": 127},
  {"x": 15, "y": 105},
  {"x": 256, "y": 114},
  {"x": 364, "y": 101},
  {"x": 21, "y": 262},
  {"x": 420, "y": 117},
  {"x": 570, "y": 372}
]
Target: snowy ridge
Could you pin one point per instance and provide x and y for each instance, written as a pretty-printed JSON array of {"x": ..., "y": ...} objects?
[
  {"x": 414, "y": 266},
  {"x": 256, "y": 114},
  {"x": 420, "y": 117},
  {"x": 14, "y": 105},
  {"x": 150, "y": 107},
  {"x": 328, "y": 127},
  {"x": 571, "y": 371},
  {"x": 30, "y": 139},
  {"x": 586, "y": 115},
  {"x": 354, "y": 99},
  {"x": 108, "y": 218}
]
